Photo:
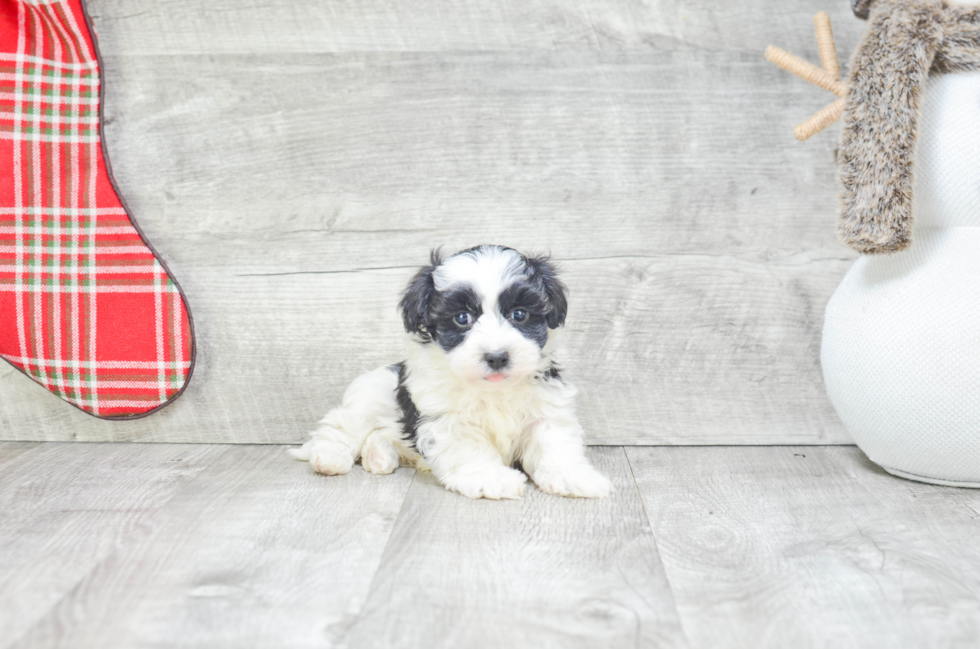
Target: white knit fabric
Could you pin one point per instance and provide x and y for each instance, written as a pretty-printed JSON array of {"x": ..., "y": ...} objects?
[{"x": 901, "y": 339}]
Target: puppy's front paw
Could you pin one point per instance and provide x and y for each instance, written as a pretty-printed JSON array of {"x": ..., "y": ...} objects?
[
  {"x": 578, "y": 481},
  {"x": 494, "y": 483},
  {"x": 329, "y": 458},
  {"x": 378, "y": 455}
]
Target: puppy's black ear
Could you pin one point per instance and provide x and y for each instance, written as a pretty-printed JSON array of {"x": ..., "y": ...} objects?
[
  {"x": 542, "y": 272},
  {"x": 415, "y": 301}
]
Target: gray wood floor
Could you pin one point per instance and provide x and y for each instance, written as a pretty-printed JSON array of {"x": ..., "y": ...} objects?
[
  {"x": 136, "y": 545},
  {"x": 293, "y": 160}
]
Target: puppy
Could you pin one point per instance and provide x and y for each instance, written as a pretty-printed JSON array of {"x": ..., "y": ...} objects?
[{"x": 480, "y": 391}]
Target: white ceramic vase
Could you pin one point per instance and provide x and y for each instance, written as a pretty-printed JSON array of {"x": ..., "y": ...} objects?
[{"x": 901, "y": 338}]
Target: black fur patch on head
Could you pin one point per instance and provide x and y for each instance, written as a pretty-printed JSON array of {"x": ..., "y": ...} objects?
[
  {"x": 430, "y": 314},
  {"x": 542, "y": 275},
  {"x": 525, "y": 295},
  {"x": 443, "y": 309},
  {"x": 415, "y": 301},
  {"x": 483, "y": 246},
  {"x": 410, "y": 418}
]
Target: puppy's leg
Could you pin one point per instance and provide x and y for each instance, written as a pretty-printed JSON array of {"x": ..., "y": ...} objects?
[
  {"x": 466, "y": 462},
  {"x": 379, "y": 455},
  {"x": 334, "y": 445},
  {"x": 368, "y": 404},
  {"x": 553, "y": 455}
]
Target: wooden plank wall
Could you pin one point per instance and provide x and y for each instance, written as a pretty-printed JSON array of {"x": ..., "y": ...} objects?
[{"x": 294, "y": 160}]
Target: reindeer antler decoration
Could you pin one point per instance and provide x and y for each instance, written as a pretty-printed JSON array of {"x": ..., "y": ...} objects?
[{"x": 827, "y": 77}]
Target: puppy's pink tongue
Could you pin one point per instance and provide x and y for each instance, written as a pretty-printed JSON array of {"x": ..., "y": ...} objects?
[{"x": 496, "y": 378}]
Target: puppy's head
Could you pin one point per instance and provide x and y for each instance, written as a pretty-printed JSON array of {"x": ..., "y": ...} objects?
[{"x": 489, "y": 309}]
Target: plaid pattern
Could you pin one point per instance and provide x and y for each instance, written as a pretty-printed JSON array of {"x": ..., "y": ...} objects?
[{"x": 86, "y": 309}]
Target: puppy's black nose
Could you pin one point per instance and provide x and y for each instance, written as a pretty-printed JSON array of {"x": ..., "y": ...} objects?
[{"x": 497, "y": 360}]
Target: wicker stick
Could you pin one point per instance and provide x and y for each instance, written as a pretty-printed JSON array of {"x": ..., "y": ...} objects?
[
  {"x": 804, "y": 70},
  {"x": 820, "y": 121},
  {"x": 825, "y": 42},
  {"x": 827, "y": 77}
]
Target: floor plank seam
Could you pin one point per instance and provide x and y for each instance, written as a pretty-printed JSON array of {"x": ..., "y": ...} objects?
[
  {"x": 656, "y": 543},
  {"x": 123, "y": 544},
  {"x": 339, "y": 639},
  {"x": 605, "y": 444}
]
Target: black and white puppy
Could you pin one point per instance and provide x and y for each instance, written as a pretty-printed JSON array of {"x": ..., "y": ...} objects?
[{"x": 479, "y": 391}]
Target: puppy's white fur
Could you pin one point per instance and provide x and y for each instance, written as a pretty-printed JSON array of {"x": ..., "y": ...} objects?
[{"x": 472, "y": 425}]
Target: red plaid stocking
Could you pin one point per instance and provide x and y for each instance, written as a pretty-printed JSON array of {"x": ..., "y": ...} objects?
[{"x": 86, "y": 309}]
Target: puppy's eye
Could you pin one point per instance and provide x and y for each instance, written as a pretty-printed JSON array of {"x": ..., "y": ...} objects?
[
  {"x": 518, "y": 315},
  {"x": 463, "y": 319}
]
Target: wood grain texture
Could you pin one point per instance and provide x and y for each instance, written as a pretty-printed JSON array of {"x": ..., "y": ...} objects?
[
  {"x": 10, "y": 453},
  {"x": 227, "y": 26},
  {"x": 259, "y": 551},
  {"x": 644, "y": 375},
  {"x": 64, "y": 508},
  {"x": 542, "y": 572},
  {"x": 136, "y": 545},
  {"x": 810, "y": 547},
  {"x": 296, "y": 168}
]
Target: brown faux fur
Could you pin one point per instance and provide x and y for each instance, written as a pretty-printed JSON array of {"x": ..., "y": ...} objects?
[{"x": 906, "y": 40}]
